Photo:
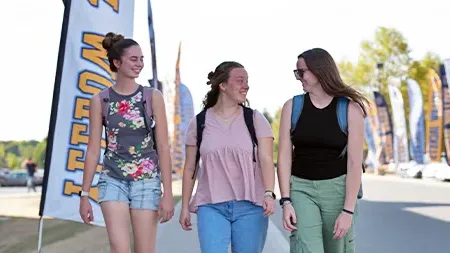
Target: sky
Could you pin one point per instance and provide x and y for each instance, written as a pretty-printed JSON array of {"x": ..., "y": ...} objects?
[{"x": 265, "y": 37}]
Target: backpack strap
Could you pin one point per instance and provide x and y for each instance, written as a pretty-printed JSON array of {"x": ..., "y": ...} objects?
[
  {"x": 104, "y": 99},
  {"x": 248, "y": 117},
  {"x": 104, "y": 102},
  {"x": 297, "y": 107},
  {"x": 200, "y": 120},
  {"x": 342, "y": 116},
  {"x": 147, "y": 95}
]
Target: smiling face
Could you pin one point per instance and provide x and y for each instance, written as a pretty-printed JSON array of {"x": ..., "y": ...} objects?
[
  {"x": 308, "y": 79},
  {"x": 236, "y": 87},
  {"x": 131, "y": 62}
]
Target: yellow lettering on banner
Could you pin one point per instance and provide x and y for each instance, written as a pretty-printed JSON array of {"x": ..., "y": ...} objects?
[
  {"x": 70, "y": 189},
  {"x": 97, "y": 54},
  {"x": 113, "y": 3},
  {"x": 85, "y": 79},
  {"x": 74, "y": 161},
  {"x": 81, "y": 108},
  {"x": 78, "y": 135}
]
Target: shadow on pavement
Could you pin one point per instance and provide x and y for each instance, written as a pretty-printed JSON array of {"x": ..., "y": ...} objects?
[{"x": 392, "y": 227}]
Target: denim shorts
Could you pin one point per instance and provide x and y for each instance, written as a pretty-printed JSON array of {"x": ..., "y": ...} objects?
[{"x": 142, "y": 194}]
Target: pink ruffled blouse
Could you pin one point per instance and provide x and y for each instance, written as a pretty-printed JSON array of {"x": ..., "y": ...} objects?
[{"x": 227, "y": 171}]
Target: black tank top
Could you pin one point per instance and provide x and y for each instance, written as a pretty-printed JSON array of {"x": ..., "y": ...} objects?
[{"x": 318, "y": 141}]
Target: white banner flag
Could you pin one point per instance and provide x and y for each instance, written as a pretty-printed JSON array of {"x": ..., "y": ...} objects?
[
  {"x": 401, "y": 148},
  {"x": 83, "y": 70}
]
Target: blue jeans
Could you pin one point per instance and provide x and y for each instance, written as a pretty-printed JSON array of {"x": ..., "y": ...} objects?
[{"x": 240, "y": 222}]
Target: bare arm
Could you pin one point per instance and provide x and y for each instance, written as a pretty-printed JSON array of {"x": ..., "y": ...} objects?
[
  {"x": 162, "y": 140},
  {"x": 188, "y": 182},
  {"x": 265, "y": 156},
  {"x": 285, "y": 150},
  {"x": 355, "y": 154},
  {"x": 94, "y": 142}
]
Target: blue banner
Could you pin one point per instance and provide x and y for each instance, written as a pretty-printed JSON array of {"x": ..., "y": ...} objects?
[
  {"x": 416, "y": 121},
  {"x": 444, "y": 70},
  {"x": 385, "y": 127}
]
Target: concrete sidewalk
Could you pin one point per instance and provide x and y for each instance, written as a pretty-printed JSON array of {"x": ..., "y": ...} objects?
[{"x": 171, "y": 238}]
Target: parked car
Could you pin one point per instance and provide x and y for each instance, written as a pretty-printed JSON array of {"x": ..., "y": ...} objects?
[{"x": 19, "y": 178}]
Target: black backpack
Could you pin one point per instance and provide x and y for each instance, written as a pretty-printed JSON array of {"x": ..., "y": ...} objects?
[{"x": 248, "y": 117}]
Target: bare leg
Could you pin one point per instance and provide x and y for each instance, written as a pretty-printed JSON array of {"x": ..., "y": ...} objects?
[
  {"x": 145, "y": 223},
  {"x": 117, "y": 220}
]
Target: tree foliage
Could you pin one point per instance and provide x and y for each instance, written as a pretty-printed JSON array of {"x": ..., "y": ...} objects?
[
  {"x": 389, "y": 48},
  {"x": 13, "y": 153}
]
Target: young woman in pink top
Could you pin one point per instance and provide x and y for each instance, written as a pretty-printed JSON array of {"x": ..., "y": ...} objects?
[{"x": 235, "y": 181}]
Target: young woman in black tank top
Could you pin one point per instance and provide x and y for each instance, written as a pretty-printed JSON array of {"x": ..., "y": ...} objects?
[{"x": 318, "y": 188}]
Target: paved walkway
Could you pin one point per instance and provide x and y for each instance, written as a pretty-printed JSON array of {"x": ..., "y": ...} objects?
[{"x": 172, "y": 238}]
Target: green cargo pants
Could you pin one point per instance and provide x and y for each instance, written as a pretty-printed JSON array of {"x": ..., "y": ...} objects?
[{"x": 317, "y": 205}]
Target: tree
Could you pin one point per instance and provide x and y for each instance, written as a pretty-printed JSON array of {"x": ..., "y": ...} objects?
[
  {"x": 12, "y": 161},
  {"x": 39, "y": 153},
  {"x": 268, "y": 116},
  {"x": 390, "y": 48},
  {"x": 276, "y": 128}
]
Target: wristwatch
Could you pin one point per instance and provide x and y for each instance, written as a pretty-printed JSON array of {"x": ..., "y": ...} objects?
[
  {"x": 83, "y": 193},
  {"x": 284, "y": 201},
  {"x": 270, "y": 193}
]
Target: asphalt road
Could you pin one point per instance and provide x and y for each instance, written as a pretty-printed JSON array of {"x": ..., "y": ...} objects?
[
  {"x": 16, "y": 190},
  {"x": 400, "y": 215}
]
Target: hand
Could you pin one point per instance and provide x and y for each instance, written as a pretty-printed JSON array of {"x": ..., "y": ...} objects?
[
  {"x": 268, "y": 205},
  {"x": 166, "y": 208},
  {"x": 185, "y": 219},
  {"x": 86, "y": 212},
  {"x": 289, "y": 218},
  {"x": 342, "y": 225}
]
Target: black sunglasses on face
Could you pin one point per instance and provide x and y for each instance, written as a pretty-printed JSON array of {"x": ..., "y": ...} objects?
[{"x": 299, "y": 73}]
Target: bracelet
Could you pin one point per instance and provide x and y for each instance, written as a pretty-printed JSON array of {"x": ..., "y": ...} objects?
[{"x": 347, "y": 211}]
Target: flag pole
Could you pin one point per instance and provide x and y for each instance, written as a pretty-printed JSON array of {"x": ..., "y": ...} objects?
[
  {"x": 54, "y": 112},
  {"x": 153, "y": 47}
]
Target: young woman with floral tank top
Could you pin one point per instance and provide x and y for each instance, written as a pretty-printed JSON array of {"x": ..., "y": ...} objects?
[
  {"x": 234, "y": 194},
  {"x": 129, "y": 187}
]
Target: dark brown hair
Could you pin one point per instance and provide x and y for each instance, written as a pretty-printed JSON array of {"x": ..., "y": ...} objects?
[
  {"x": 323, "y": 66},
  {"x": 220, "y": 75},
  {"x": 115, "y": 45}
]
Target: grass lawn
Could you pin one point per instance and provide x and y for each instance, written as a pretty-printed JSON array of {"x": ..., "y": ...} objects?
[{"x": 20, "y": 235}]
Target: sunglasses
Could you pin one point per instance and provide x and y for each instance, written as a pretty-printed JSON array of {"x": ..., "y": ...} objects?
[{"x": 299, "y": 73}]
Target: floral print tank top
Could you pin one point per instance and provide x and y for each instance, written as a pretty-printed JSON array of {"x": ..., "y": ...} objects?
[{"x": 130, "y": 153}]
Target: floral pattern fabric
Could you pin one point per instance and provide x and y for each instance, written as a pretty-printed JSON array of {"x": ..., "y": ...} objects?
[{"x": 129, "y": 153}]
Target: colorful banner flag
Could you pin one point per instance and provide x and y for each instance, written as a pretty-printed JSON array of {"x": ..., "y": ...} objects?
[
  {"x": 434, "y": 118},
  {"x": 385, "y": 126},
  {"x": 372, "y": 134},
  {"x": 183, "y": 113},
  {"x": 416, "y": 121},
  {"x": 401, "y": 154},
  {"x": 82, "y": 71},
  {"x": 445, "y": 79},
  {"x": 177, "y": 146}
]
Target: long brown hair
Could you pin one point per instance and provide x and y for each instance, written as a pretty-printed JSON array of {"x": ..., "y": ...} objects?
[
  {"x": 323, "y": 66},
  {"x": 220, "y": 75}
]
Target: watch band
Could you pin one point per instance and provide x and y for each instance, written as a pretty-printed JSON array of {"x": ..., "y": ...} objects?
[
  {"x": 83, "y": 193},
  {"x": 270, "y": 193},
  {"x": 285, "y": 199}
]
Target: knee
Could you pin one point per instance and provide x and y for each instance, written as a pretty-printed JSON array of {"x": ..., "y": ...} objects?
[{"x": 120, "y": 248}]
